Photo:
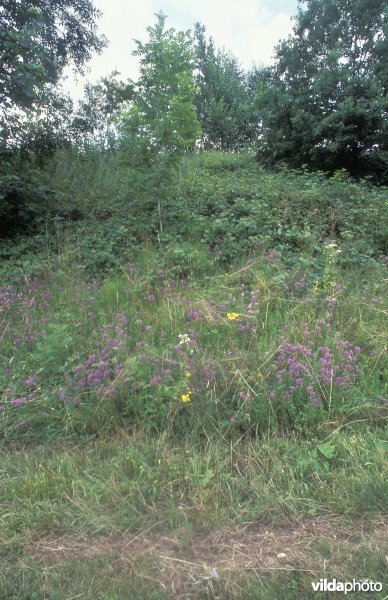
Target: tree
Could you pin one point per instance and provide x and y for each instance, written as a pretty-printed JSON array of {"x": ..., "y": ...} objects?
[
  {"x": 162, "y": 122},
  {"x": 45, "y": 128},
  {"x": 223, "y": 104},
  {"x": 325, "y": 103},
  {"x": 102, "y": 101},
  {"x": 37, "y": 40}
]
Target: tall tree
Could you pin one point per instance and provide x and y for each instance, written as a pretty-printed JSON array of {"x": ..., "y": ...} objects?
[
  {"x": 102, "y": 101},
  {"x": 223, "y": 104},
  {"x": 325, "y": 103},
  {"x": 38, "y": 38},
  {"x": 162, "y": 122}
]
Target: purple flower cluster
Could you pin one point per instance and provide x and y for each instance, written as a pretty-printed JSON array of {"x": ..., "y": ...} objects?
[
  {"x": 313, "y": 368},
  {"x": 161, "y": 376},
  {"x": 96, "y": 374},
  {"x": 99, "y": 370},
  {"x": 114, "y": 335},
  {"x": 92, "y": 373},
  {"x": 9, "y": 297},
  {"x": 272, "y": 255},
  {"x": 17, "y": 304},
  {"x": 245, "y": 327},
  {"x": 194, "y": 315},
  {"x": 253, "y": 304},
  {"x": 15, "y": 401},
  {"x": 24, "y": 338}
]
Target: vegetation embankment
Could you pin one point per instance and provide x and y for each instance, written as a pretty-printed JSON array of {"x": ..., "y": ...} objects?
[
  {"x": 223, "y": 384},
  {"x": 192, "y": 399}
]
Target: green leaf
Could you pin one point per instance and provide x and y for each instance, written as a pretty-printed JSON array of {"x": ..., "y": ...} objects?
[
  {"x": 382, "y": 445},
  {"x": 327, "y": 450}
]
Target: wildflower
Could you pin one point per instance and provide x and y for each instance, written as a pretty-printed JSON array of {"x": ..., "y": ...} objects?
[
  {"x": 17, "y": 401},
  {"x": 31, "y": 380},
  {"x": 272, "y": 255},
  {"x": 231, "y": 316},
  {"x": 187, "y": 374},
  {"x": 333, "y": 248},
  {"x": 186, "y": 397},
  {"x": 194, "y": 314}
]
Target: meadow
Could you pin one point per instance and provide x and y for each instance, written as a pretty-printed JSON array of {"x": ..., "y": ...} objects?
[{"x": 199, "y": 413}]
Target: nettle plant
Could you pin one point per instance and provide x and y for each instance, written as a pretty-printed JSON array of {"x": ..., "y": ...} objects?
[{"x": 313, "y": 377}]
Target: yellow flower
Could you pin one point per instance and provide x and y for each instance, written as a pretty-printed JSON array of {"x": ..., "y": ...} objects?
[
  {"x": 187, "y": 374},
  {"x": 231, "y": 316},
  {"x": 186, "y": 397}
]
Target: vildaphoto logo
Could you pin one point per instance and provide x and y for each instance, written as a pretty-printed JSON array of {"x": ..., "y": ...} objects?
[{"x": 332, "y": 585}]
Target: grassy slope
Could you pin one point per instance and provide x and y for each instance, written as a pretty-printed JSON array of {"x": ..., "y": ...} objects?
[{"x": 115, "y": 488}]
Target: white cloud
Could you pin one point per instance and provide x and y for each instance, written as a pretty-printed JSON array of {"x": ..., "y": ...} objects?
[{"x": 250, "y": 29}]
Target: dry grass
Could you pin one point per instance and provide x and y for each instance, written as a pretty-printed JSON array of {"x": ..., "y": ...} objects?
[{"x": 184, "y": 565}]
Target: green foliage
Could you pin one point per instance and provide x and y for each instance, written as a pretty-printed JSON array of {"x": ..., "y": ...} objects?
[
  {"x": 26, "y": 198},
  {"x": 325, "y": 101},
  {"x": 100, "y": 212},
  {"x": 162, "y": 122},
  {"x": 222, "y": 100},
  {"x": 237, "y": 208},
  {"x": 98, "y": 108},
  {"x": 163, "y": 114},
  {"x": 36, "y": 43}
]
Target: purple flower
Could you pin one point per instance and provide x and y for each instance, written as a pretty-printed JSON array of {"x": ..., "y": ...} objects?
[
  {"x": 155, "y": 380},
  {"x": 18, "y": 401},
  {"x": 31, "y": 380},
  {"x": 272, "y": 255},
  {"x": 193, "y": 314}
]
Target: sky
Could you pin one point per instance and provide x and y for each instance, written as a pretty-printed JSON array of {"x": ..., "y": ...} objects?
[{"x": 250, "y": 29}]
